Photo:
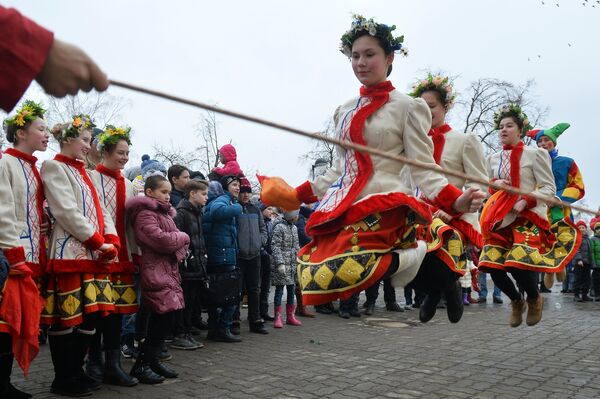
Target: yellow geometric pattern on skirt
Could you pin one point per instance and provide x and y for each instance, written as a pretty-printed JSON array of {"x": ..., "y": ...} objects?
[
  {"x": 448, "y": 243},
  {"x": 522, "y": 255}
]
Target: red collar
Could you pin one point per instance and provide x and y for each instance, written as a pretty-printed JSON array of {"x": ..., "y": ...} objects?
[
  {"x": 445, "y": 128},
  {"x": 383, "y": 87},
  {"x": 510, "y": 147},
  {"x": 70, "y": 161},
  {"x": 115, "y": 174},
  {"x": 21, "y": 155}
]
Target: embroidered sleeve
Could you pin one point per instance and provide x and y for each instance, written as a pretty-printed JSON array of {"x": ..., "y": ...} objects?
[
  {"x": 64, "y": 208},
  {"x": 542, "y": 172},
  {"x": 9, "y": 236},
  {"x": 474, "y": 162}
]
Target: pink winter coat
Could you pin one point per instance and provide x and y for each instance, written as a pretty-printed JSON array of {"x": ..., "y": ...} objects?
[
  {"x": 231, "y": 167},
  {"x": 163, "y": 247}
]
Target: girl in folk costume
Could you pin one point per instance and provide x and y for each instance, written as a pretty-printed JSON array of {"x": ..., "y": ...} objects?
[
  {"x": 567, "y": 177},
  {"x": 516, "y": 232},
  {"x": 113, "y": 189},
  {"x": 364, "y": 227},
  {"x": 22, "y": 239},
  {"x": 82, "y": 245},
  {"x": 448, "y": 235}
]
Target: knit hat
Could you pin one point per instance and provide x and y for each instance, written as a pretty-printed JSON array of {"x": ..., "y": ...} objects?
[
  {"x": 290, "y": 215},
  {"x": 227, "y": 180},
  {"x": 595, "y": 222},
  {"x": 581, "y": 223},
  {"x": 151, "y": 166},
  {"x": 551, "y": 133},
  {"x": 245, "y": 186}
]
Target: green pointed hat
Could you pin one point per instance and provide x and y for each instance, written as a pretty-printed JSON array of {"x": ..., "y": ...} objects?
[{"x": 551, "y": 133}]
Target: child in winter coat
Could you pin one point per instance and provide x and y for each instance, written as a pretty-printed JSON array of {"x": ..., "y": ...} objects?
[
  {"x": 595, "y": 249},
  {"x": 162, "y": 246},
  {"x": 581, "y": 266},
  {"x": 228, "y": 157},
  {"x": 284, "y": 247},
  {"x": 193, "y": 269}
]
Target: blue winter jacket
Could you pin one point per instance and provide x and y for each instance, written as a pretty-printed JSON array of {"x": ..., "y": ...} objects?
[{"x": 220, "y": 231}]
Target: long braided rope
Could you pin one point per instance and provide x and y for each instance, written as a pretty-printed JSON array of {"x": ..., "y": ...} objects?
[{"x": 551, "y": 201}]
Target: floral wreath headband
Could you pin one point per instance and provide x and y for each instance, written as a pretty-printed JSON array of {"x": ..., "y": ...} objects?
[
  {"x": 29, "y": 111},
  {"x": 515, "y": 110},
  {"x": 79, "y": 123},
  {"x": 381, "y": 31},
  {"x": 438, "y": 83},
  {"x": 111, "y": 135}
]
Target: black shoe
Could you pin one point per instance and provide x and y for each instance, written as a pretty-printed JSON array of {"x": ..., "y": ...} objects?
[
  {"x": 323, "y": 309},
  {"x": 428, "y": 307},
  {"x": 498, "y": 300},
  {"x": 482, "y": 299},
  {"x": 544, "y": 289},
  {"x": 354, "y": 313},
  {"x": 145, "y": 375},
  {"x": 258, "y": 328},
  {"x": 344, "y": 314},
  {"x": 369, "y": 308},
  {"x": 90, "y": 382},
  {"x": 164, "y": 354},
  {"x": 226, "y": 336},
  {"x": 181, "y": 342},
  {"x": 8, "y": 390},
  {"x": 113, "y": 371},
  {"x": 70, "y": 387},
  {"x": 211, "y": 335},
  {"x": 162, "y": 370},
  {"x": 586, "y": 298},
  {"x": 201, "y": 325},
  {"x": 393, "y": 307},
  {"x": 415, "y": 305},
  {"x": 267, "y": 317},
  {"x": 94, "y": 367},
  {"x": 577, "y": 298},
  {"x": 11, "y": 392},
  {"x": 455, "y": 305},
  {"x": 235, "y": 328},
  {"x": 195, "y": 331}
]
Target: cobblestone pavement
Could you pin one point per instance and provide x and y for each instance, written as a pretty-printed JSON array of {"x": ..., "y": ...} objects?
[{"x": 387, "y": 355}]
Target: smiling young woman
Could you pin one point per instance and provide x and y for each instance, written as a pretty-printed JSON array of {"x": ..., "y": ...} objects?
[
  {"x": 22, "y": 240},
  {"x": 364, "y": 226},
  {"x": 83, "y": 241},
  {"x": 517, "y": 235}
]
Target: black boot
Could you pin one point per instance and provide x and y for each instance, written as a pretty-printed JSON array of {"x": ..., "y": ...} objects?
[
  {"x": 151, "y": 358},
  {"x": 429, "y": 306},
  {"x": 65, "y": 383},
  {"x": 113, "y": 372},
  {"x": 454, "y": 302},
  {"x": 79, "y": 349},
  {"x": 7, "y": 390},
  {"x": 94, "y": 366},
  {"x": 142, "y": 371},
  {"x": 224, "y": 335}
]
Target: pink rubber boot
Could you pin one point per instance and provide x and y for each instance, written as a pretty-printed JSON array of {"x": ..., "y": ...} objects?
[
  {"x": 278, "y": 323},
  {"x": 291, "y": 316}
]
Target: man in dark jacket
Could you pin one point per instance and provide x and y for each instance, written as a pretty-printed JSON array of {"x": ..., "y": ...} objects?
[
  {"x": 193, "y": 268},
  {"x": 252, "y": 236},
  {"x": 178, "y": 177},
  {"x": 582, "y": 266}
]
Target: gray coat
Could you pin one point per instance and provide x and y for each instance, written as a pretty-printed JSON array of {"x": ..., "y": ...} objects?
[
  {"x": 585, "y": 251},
  {"x": 284, "y": 247},
  {"x": 251, "y": 232}
]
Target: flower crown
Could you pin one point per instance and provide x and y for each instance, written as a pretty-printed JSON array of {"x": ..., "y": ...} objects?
[
  {"x": 512, "y": 109},
  {"x": 436, "y": 83},
  {"x": 374, "y": 29},
  {"x": 112, "y": 135},
  {"x": 79, "y": 123},
  {"x": 30, "y": 111}
]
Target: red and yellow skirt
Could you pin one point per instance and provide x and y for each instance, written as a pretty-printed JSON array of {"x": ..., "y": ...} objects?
[
  {"x": 124, "y": 294},
  {"x": 71, "y": 295},
  {"x": 522, "y": 245},
  {"x": 337, "y": 264},
  {"x": 448, "y": 244}
]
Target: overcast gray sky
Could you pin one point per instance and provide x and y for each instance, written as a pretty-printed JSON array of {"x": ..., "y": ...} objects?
[{"x": 280, "y": 60}]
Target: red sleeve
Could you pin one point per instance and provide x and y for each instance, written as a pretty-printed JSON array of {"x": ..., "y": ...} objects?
[
  {"x": 112, "y": 239},
  {"x": 94, "y": 242},
  {"x": 24, "y": 46},
  {"x": 14, "y": 255},
  {"x": 305, "y": 194},
  {"x": 446, "y": 198},
  {"x": 531, "y": 202}
]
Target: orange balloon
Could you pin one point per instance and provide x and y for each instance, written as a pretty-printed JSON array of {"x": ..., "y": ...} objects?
[{"x": 276, "y": 192}]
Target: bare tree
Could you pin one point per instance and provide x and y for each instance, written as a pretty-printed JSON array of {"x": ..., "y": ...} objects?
[
  {"x": 174, "y": 154},
  {"x": 104, "y": 108},
  {"x": 208, "y": 151},
  {"x": 322, "y": 149},
  {"x": 485, "y": 96}
]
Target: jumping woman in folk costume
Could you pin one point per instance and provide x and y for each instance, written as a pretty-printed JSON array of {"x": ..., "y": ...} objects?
[
  {"x": 567, "y": 177},
  {"x": 516, "y": 232},
  {"x": 364, "y": 227},
  {"x": 448, "y": 235},
  {"x": 113, "y": 189},
  {"x": 82, "y": 244},
  {"x": 23, "y": 227}
]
